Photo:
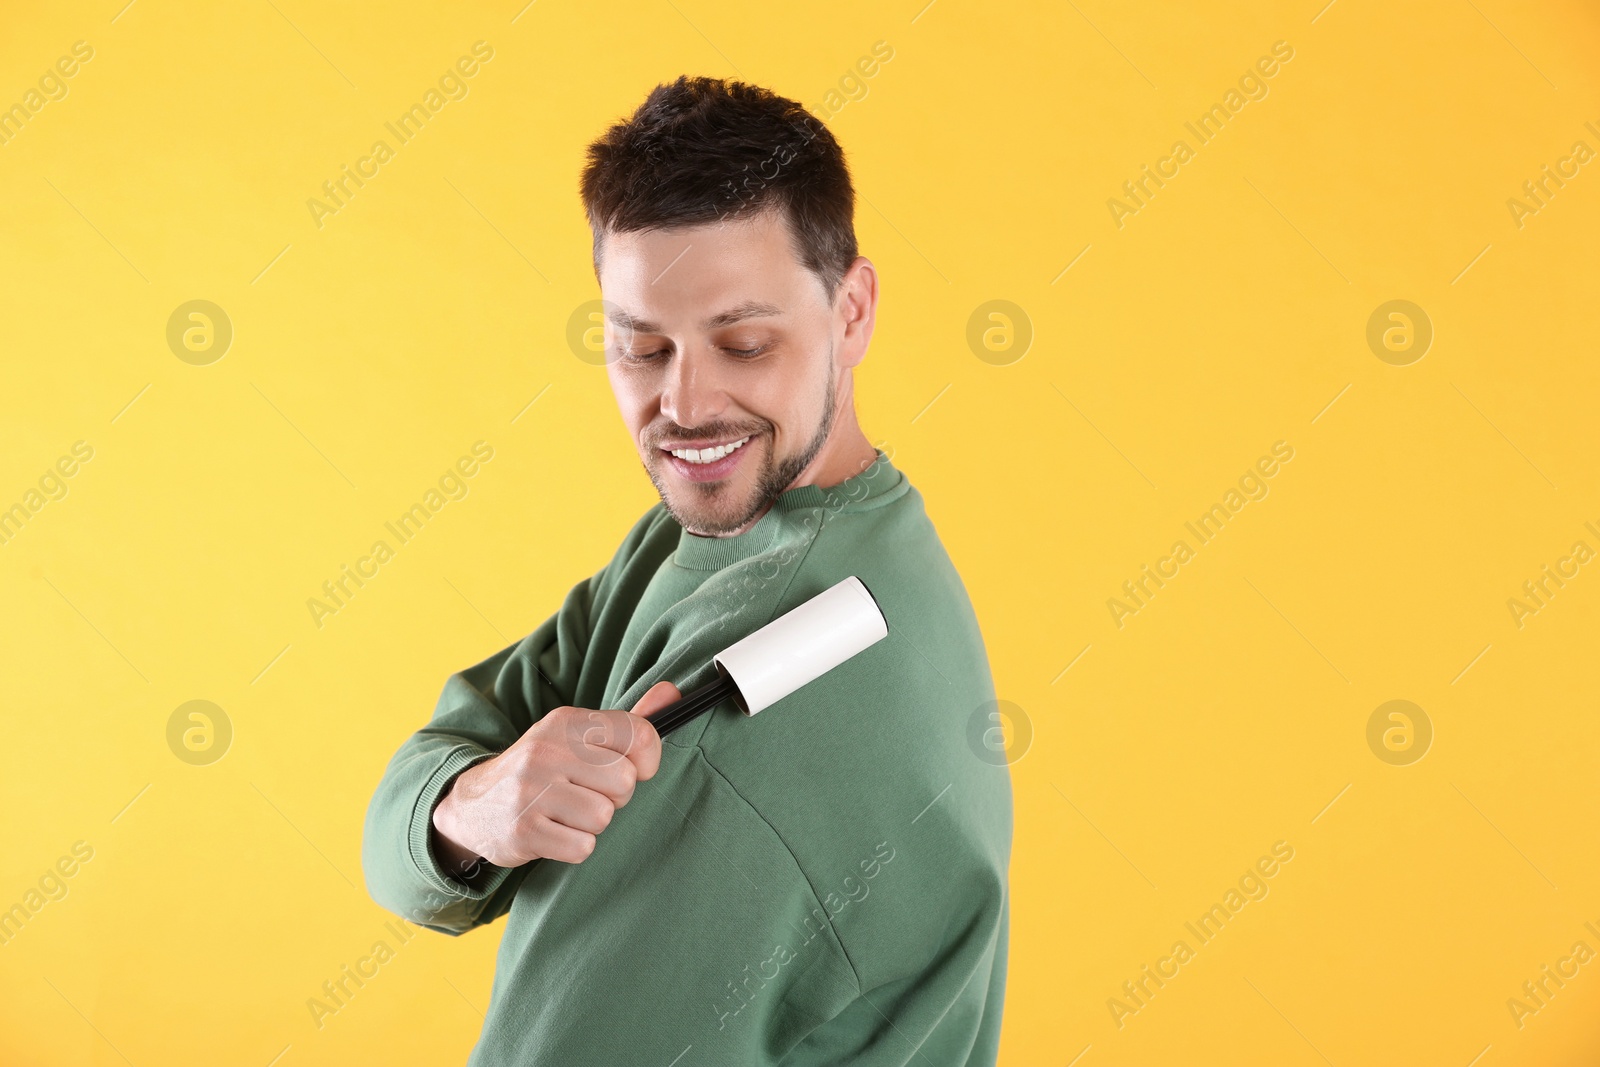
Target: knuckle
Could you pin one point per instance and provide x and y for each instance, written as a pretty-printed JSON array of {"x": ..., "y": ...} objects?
[
  {"x": 559, "y": 723},
  {"x": 628, "y": 776},
  {"x": 535, "y": 753},
  {"x": 527, "y": 824},
  {"x": 602, "y": 756},
  {"x": 528, "y": 808}
]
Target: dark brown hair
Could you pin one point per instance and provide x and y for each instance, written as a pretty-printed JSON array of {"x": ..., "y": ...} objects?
[{"x": 700, "y": 150}]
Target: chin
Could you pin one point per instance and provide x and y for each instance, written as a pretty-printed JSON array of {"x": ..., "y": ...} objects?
[
  {"x": 707, "y": 522},
  {"x": 695, "y": 510}
]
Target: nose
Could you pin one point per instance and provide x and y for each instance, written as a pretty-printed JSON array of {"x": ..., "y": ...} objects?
[{"x": 691, "y": 394}]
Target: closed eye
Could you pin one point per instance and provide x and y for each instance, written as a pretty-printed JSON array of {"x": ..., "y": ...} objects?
[{"x": 744, "y": 353}]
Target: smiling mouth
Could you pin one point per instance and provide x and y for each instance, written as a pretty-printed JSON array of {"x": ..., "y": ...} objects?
[
  {"x": 710, "y": 463},
  {"x": 710, "y": 454}
]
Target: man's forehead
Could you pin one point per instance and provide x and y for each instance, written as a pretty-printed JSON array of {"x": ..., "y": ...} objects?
[
  {"x": 763, "y": 236},
  {"x": 642, "y": 256},
  {"x": 701, "y": 277}
]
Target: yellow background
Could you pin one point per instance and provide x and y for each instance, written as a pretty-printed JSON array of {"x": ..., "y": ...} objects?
[{"x": 1229, "y": 313}]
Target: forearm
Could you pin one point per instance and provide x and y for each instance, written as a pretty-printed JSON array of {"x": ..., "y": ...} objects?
[
  {"x": 405, "y": 871},
  {"x": 424, "y": 871}
]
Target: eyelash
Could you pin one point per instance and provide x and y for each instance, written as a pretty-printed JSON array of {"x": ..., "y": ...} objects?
[{"x": 743, "y": 353}]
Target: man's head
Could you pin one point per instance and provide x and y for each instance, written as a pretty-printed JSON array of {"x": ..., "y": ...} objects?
[{"x": 736, "y": 302}]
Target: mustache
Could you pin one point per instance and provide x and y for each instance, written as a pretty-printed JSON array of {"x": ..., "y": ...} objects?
[{"x": 714, "y": 431}]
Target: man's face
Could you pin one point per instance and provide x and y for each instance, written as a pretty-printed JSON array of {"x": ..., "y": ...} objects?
[{"x": 718, "y": 339}]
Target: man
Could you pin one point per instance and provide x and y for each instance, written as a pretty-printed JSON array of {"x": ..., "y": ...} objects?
[{"x": 823, "y": 882}]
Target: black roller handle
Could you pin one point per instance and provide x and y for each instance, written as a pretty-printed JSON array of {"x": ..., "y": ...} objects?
[{"x": 693, "y": 703}]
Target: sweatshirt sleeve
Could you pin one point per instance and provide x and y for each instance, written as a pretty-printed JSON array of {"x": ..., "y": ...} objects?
[{"x": 481, "y": 712}]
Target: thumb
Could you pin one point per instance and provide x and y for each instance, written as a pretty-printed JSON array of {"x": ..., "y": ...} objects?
[{"x": 655, "y": 698}]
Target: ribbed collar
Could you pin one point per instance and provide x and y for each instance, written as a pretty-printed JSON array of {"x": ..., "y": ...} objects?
[{"x": 853, "y": 494}]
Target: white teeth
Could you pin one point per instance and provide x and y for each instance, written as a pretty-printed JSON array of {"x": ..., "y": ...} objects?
[{"x": 707, "y": 455}]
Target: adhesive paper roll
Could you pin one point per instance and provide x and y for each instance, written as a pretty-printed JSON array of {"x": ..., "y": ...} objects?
[{"x": 803, "y": 644}]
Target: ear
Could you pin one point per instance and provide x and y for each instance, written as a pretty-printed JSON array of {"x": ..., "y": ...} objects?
[{"x": 856, "y": 305}]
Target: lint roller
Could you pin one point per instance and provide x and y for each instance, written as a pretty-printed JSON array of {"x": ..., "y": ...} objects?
[{"x": 801, "y": 645}]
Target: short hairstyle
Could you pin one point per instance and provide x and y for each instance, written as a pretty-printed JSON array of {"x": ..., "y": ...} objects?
[{"x": 701, "y": 150}]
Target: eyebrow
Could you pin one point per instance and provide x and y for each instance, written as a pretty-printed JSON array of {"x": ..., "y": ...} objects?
[{"x": 750, "y": 309}]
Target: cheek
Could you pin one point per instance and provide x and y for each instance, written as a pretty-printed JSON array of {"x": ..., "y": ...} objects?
[
  {"x": 789, "y": 396},
  {"x": 633, "y": 399}
]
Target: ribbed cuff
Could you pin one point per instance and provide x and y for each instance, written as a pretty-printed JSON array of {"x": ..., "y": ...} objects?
[{"x": 422, "y": 857}]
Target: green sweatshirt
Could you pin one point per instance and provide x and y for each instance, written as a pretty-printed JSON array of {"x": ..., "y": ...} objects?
[{"x": 824, "y": 882}]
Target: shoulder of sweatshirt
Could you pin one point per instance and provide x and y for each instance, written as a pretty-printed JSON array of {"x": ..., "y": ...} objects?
[
  {"x": 897, "y": 553},
  {"x": 884, "y": 743}
]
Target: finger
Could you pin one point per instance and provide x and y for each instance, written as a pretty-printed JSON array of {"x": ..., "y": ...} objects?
[
  {"x": 577, "y": 807},
  {"x": 612, "y": 752},
  {"x": 613, "y": 777},
  {"x": 557, "y": 841},
  {"x": 595, "y": 746},
  {"x": 656, "y": 697},
  {"x": 593, "y": 730},
  {"x": 611, "y": 735},
  {"x": 646, "y": 756}
]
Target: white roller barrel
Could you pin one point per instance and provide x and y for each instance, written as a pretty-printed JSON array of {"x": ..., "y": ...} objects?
[{"x": 803, "y": 644}]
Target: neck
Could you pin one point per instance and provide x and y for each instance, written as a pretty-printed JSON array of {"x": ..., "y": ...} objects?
[
  {"x": 845, "y": 454},
  {"x": 847, "y": 451}
]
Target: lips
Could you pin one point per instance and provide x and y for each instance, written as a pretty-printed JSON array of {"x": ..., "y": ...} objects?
[{"x": 715, "y": 469}]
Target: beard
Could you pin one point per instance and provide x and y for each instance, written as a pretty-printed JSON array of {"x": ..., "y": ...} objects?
[{"x": 711, "y": 509}]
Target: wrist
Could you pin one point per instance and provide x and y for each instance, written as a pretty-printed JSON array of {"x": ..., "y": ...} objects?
[{"x": 458, "y": 860}]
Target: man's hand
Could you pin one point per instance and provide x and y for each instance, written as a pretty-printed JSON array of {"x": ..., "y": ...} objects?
[{"x": 552, "y": 791}]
